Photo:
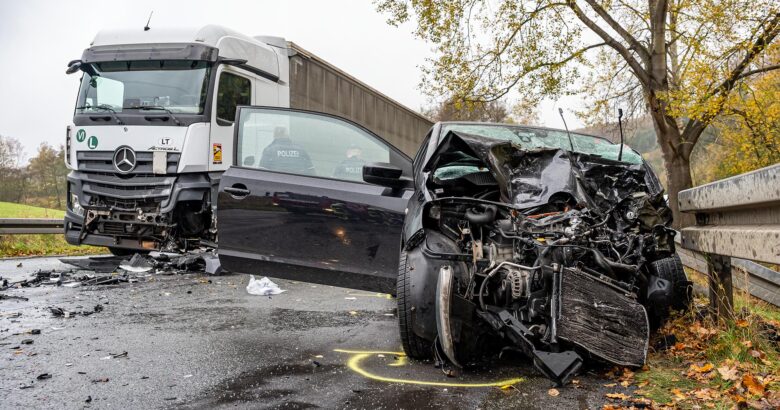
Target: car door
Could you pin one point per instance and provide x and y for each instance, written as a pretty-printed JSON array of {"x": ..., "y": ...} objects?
[{"x": 294, "y": 204}]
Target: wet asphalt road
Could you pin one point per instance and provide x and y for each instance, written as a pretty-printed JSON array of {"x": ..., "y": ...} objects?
[{"x": 192, "y": 343}]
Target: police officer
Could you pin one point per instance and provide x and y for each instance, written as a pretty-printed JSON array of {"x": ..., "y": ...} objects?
[
  {"x": 282, "y": 154},
  {"x": 352, "y": 167}
]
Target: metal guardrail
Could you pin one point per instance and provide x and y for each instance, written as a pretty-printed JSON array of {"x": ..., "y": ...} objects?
[
  {"x": 737, "y": 217},
  {"x": 17, "y": 226}
]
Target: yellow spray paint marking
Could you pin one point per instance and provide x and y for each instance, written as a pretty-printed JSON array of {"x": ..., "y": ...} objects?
[
  {"x": 354, "y": 363},
  {"x": 400, "y": 361}
]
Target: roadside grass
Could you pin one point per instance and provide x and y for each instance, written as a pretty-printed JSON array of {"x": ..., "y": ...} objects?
[
  {"x": 35, "y": 245},
  {"x": 715, "y": 365}
]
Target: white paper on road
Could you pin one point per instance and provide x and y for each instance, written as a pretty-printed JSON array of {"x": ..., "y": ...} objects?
[{"x": 262, "y": 287}]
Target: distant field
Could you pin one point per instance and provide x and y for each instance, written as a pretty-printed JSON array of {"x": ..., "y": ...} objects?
[{"x": 29, "y": 245}]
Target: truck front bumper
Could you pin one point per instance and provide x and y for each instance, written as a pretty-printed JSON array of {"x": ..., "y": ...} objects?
[{"x": 127, "y": 214}]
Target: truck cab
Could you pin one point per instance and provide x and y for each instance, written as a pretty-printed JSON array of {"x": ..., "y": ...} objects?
[{"x": 152, "y": 131}]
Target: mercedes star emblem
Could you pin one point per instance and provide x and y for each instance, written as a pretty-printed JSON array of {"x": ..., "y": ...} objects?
[{"x": 124, "y": 159}]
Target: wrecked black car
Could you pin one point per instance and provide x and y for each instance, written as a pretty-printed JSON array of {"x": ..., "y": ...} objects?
[{"x": 554, "y": 244}]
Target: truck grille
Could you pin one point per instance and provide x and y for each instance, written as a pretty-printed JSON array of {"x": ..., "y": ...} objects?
[
  {"x": 140, "y": 188},
  {"x": 102, "y": 161}
]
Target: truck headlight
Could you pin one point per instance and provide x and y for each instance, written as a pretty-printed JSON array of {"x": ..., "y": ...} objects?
[{"x": 75, "y": 206}]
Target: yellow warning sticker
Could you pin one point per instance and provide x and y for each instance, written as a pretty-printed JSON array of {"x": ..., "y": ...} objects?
[{"x": 216, "y": 150}]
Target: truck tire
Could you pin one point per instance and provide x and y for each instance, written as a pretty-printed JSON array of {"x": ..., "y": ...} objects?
[
  {"x": 671, "y": 269},
  {"x": 414, "y": 346}
]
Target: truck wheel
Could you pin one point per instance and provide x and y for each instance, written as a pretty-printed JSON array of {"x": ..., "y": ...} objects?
[
  {"x": 671, "y": 269},
  {"x": 414, "y": 346}
]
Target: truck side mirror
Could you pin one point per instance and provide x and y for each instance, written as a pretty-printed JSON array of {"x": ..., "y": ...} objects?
[
  {"x": 385, "y": 174},
  {"x": 73, "y": 66}
]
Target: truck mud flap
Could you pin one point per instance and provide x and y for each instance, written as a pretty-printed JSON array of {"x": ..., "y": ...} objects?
[{"x": 602, "y": 319}]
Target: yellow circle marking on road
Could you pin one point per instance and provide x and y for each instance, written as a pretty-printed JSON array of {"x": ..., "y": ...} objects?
[{"x": 359, "y": 355}]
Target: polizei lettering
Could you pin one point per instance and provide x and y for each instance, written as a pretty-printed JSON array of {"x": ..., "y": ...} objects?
[{"x": 288, "y": 153}]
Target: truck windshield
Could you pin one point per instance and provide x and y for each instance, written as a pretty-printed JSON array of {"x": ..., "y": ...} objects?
[
  {"x": 530, "y": 138},
  {"x": 177, "y": 85}
]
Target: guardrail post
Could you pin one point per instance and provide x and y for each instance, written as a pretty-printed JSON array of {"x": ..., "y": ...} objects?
[{"x": 721, "y": 287}]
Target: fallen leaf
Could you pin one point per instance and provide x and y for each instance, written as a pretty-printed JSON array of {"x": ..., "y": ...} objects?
[
  {"x": 702, "y": 369},
  {"x": 610, "y": 385},
  {"x": 752, "y": 384},
  {"x": 679, "y": 346},
  {"x": 757, "y": 354},
  {"x": 617, "y": 396},
  {"x": 728, "y": 373},
  {"x": 747, "y": 343},
  {"x": 742, "y": 323},
  {"x": 678, "y": 394},
  {"x": 553, "y": 392}
]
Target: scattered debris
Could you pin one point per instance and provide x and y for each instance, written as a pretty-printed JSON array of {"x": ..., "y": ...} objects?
[
  {"x": 44, "y": 376},
  {"x": 262, "y": 287},
  {"x": 35, "y": 331},
  {"x": 115, "y": 356},
  {"x": 101, "y": 380},
  {"x": 137, "y": 264},
  {"x": 27, "y": 341},
  {"x": 60, "y": 312},
  {"x": 13, "y": 297},
  {"x": 88, "y": 400}
]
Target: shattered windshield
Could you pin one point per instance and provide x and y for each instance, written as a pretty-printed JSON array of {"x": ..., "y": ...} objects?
[
  {"x": 176, "y": 85},
  {"x": 530, "y": 138}
]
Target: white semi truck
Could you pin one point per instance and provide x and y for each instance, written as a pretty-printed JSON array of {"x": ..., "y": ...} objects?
[{"x": 152, "y": 130}]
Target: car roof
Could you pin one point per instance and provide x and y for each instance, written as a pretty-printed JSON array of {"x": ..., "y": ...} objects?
[{"x": 535, "y": 127}]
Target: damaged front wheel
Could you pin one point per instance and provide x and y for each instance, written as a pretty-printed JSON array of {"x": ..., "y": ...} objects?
[{"x": 414, "y": 346}]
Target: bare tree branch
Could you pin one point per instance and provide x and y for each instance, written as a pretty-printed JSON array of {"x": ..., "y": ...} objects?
[
  {"x": 640, "y": 72},
  {"x": 633, "y": 42},
  {"x": 758, "y": 71}
]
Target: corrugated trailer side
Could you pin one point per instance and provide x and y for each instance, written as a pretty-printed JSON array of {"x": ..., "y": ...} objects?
[{"x": 317, "y": 85}]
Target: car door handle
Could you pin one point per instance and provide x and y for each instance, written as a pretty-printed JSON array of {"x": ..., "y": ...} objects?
[{"x": 237, "y": 191}]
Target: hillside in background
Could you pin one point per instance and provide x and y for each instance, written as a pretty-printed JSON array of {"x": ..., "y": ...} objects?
[{"x": 640, "y": 136}]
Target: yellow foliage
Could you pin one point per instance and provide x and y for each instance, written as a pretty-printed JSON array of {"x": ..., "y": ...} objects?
[{"x": 750, "y": 129}]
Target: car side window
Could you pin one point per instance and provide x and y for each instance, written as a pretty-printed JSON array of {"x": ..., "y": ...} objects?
[
  {"x": 232, "y": 91},
  {"x": 307, "y": 144}
]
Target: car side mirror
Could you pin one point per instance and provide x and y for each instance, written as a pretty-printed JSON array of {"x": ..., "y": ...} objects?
[{"x": 385, "y": 174}]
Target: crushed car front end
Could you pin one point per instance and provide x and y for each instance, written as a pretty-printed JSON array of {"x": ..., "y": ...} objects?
[{"x": 562, "y": 253}]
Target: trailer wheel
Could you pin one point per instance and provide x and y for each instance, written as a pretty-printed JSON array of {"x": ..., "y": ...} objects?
[
  {"x": 671, "y": 269},
  {"x": 414, "y": 346}
]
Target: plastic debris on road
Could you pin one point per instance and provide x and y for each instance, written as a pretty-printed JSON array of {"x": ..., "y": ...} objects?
[
  {"x": 137, "y": 264},
  {"x": 262, "y": 287}
]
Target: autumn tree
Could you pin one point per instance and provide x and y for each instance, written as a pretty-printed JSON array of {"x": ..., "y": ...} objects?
[
  {"x": 12, "y": 176},
  {"x": 750, "y": 127},
  {"x": 48, "y": 174},
  {"x": 677, "y": 60}
]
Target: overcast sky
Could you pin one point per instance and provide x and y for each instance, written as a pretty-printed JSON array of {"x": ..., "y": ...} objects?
[{"x": 38, "y": 38}]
